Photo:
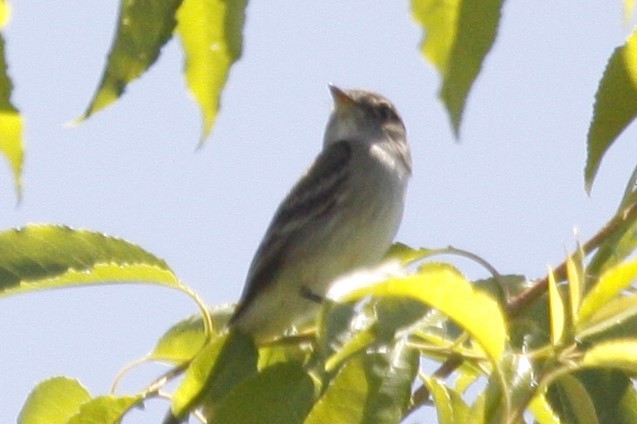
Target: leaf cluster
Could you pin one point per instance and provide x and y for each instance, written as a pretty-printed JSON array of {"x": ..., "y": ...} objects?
[{"x": 560, "y": 349}]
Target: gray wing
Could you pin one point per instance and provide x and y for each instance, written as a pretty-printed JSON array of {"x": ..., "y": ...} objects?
[{"x": 310, "y": 200}]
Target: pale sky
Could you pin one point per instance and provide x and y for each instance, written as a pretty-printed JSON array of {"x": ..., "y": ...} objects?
[{"x": 510, "y": 191}]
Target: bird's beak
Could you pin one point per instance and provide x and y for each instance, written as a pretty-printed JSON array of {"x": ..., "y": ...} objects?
[{"x": 341, "y": 98}]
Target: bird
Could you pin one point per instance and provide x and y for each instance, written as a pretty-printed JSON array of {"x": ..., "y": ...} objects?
[{"x": 340, "y": 217}]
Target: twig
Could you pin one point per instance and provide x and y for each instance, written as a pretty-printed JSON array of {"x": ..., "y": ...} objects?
[
  {"x": 422, "y": 394},
  {"x": 528, "y": 296}
]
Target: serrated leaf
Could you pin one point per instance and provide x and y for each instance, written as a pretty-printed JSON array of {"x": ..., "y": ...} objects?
[
  {"x": 144, "y": 26},
  {"x": 617, "y": 245},
  {"x": 556, "y": 307},
  {"x": 39, "y": 257},
  {"x": 369, "y": 388},
  {"x": 222, "y": 364},
  {"x": 53, "y": 401},
  {"x": 446, "y": 290},
  {"x": 460, "y": 34},
  {"x": 211, "y": 32},
  {"x": 610, "y": 284},
  {"x": 615, "y": 105},
  {"x": 11, "y": 122},
  {"x": 105, "y": 410},
  {"x": 450, "y": 407}
]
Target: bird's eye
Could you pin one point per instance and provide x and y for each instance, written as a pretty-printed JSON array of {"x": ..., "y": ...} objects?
[{"x": 385, "y": 112}]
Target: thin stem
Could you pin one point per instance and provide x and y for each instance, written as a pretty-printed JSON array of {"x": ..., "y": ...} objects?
[
  {"x": 205, "y": 314},
  {"x": 156, "y": 385},
  {"x": 120, "y": 375},
  {"x": 450, "y": 250}
]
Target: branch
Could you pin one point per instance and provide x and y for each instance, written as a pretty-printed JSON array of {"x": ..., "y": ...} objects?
[
  {"x": 530, "y": 295},
  {"x": 421, "y": 395}
]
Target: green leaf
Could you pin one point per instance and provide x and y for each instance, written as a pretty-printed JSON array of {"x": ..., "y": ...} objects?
[
  {"x": 270, "y": 355},
  {"x": 450, "y": 407},
  {"x": 405, "y": 254},
  {"x": 444, "y": 289},
  {"x": 575, "y": 273},
  {"x": 508, "y": 392},
  {"x": 216, "y": 370},
  {"x": 5, "y": 13},
  {"x": 629, "y": 8},
  {"x": 346, "y": 330},
  {"x": 623, "y": 241},
  {"x": 53, "y": 401},
  {"x": 615, "y": 105},
  {"x": 460, "y": 33},
  {"x": 556, "y": 306},
  {"x": 477, "y": 410},
  {"x": 542, "y": 410},
  {"x": 620, "y": 354},
  {"x": 39, "y": 257},
  {"x": 144, "y": 27},
  {"x": 615, "y": 319},
  {"x": 211, "y": 32},
  {"x": 11, "y": 123},
  {"x": 105, "y": 410},
  {"x": 280, "y": 394},
  {"x": 372, "y": 388},
  {"x": 610, "y": 284},
  {"x": 576, "y": 405},
  {"x": 594, "y": 396},
  {"x": 186, "y": 338}
]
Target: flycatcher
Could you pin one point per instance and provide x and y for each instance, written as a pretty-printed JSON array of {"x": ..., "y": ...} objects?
[{"x": 341, "y": 216}]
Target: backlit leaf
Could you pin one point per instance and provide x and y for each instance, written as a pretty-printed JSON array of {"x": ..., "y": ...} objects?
[
  {"x": 370, "y": 388},
  {"x": 143, "y": 28},
  {"x": 542, "y": 410},
  {"x": 450, "y": 407},
  {"x": 556, "y": 306},
  {"x": 182, "y": 341},
  {"x": 610, "y": 284},
  {"x": 11, "y": 122},
  {"x": 222, "y": 364},
  {"x": 211, "y": 32},
  {"x": 615, "y": 105},
  {"x": 446, "y": 290},
  {"x": 53, "y": 401},
  {"x": 459, "y": 34},
  {"x": 617, "y": 245},
  {"x": 615, "y": 354},
  {"x": 105, "y": 410},
  {"x": 39, "y": 257}
]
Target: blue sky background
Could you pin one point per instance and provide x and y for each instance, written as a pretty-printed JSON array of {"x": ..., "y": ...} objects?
[{"x": 510, "y": 191}]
